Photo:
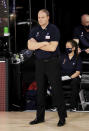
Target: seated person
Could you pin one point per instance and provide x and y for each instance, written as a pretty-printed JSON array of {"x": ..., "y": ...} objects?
[
  {"x": 71, "y": 70},
  {"x": 81, "y": 36}
]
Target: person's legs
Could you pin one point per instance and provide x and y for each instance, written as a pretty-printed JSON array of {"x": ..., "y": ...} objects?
[
  {"x": 40, "y": 93},
  {"x": 75, "y": 91},
  {"x": 53, "y": 73}
]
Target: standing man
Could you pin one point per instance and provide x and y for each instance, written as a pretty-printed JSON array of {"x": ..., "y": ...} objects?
[
  {"x": 81, "y": 36},
  {"x": 44, "y": 39}
]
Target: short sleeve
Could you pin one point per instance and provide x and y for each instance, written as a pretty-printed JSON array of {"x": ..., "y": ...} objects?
[
  {"x": 32, "y": 33},
  {"x": 55, "y": 34},
  {"x": 79, "y": 64}
]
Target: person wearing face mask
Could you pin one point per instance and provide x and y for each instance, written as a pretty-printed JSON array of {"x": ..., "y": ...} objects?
[
  {"x": 71, "y": 70},
  {"x": 81, "y": 36}
]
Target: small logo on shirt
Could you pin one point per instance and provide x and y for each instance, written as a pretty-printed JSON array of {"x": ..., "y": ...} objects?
[
  {"x": 73, "y": 64},
  {"x": 37, "y": 34},
  {"x": 81, "y": 34}
]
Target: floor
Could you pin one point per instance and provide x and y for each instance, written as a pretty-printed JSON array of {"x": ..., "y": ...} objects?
[{"x": 19, "y": 121}]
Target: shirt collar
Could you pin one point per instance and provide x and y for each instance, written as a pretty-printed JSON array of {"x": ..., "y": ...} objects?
[
  {"x": 45, "y": 27},
  {"x": 73, "y": 58}
]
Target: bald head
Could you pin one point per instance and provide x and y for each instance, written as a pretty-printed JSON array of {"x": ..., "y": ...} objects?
[
  {"x": 85, "y": 19},
  {"x": 43, "y": 18}
]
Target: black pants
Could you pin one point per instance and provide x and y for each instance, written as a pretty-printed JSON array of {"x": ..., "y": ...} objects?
[
  {"x": 50, "y": 68},
  {"x": 75, "y": 86},
  {"x": 84, "y": 56}
]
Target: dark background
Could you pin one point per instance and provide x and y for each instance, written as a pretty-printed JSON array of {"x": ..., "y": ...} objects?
[
  {"x": 65, "y": 16},
  {"x": 23, "y": 16}
]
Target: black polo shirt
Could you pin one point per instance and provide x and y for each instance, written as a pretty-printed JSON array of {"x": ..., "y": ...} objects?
[
  {"x": 50, "y": 33},
  {"x": 68, "y": 67},
  {"x": 83, "y": 36}
]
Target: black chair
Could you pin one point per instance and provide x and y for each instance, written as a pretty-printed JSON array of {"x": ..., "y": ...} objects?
[{"x": 84, "y": 85}]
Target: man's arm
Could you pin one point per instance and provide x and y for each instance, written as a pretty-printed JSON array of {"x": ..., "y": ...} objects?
[
  {"x": 46, "y": 46},
  {"x": 34, "y": 45},
  {"x": 87, "y": 50},
  {"x": 79, "y": 50},
  {"x": 51, "y": 47}
]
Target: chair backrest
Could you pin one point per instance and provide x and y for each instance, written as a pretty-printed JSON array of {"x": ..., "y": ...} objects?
[
  {"x": 85, "y": 75},
  {"x": 85, "y": 66}
]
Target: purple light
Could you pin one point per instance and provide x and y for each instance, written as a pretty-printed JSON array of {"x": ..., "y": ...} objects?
[{"x": 3, "y": 3}]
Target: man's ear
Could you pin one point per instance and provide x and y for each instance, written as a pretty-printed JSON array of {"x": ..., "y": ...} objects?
[{"x": 48, "y": 17}]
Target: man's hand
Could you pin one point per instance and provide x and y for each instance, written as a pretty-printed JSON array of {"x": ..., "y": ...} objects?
[
  {"x": 79, "y": 50},
  {"x": 33, "y": 40},
  {"x": 34, "y": 45},
  {"x": 45, "y": 43},
  {"x": 87, "y": 51}
]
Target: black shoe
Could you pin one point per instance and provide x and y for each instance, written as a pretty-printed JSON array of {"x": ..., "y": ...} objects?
[
  {"x": 36, "y": 121},
  {"x": 61, "y": 122}
]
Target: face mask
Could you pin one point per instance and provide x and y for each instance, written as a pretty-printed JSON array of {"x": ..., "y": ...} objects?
[
  {"x": 87, "y": 27},
  {"x": 68, "y": 50}
]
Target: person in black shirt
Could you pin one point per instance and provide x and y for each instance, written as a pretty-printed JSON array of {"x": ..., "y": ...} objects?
[
  {"x": 81, "y": 36},
  {"x": 44, "y": 40},
  {"x": 71, "y": 66}
]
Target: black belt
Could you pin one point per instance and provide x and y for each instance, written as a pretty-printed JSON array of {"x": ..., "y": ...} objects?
[{"x": 49, "y": 59}]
